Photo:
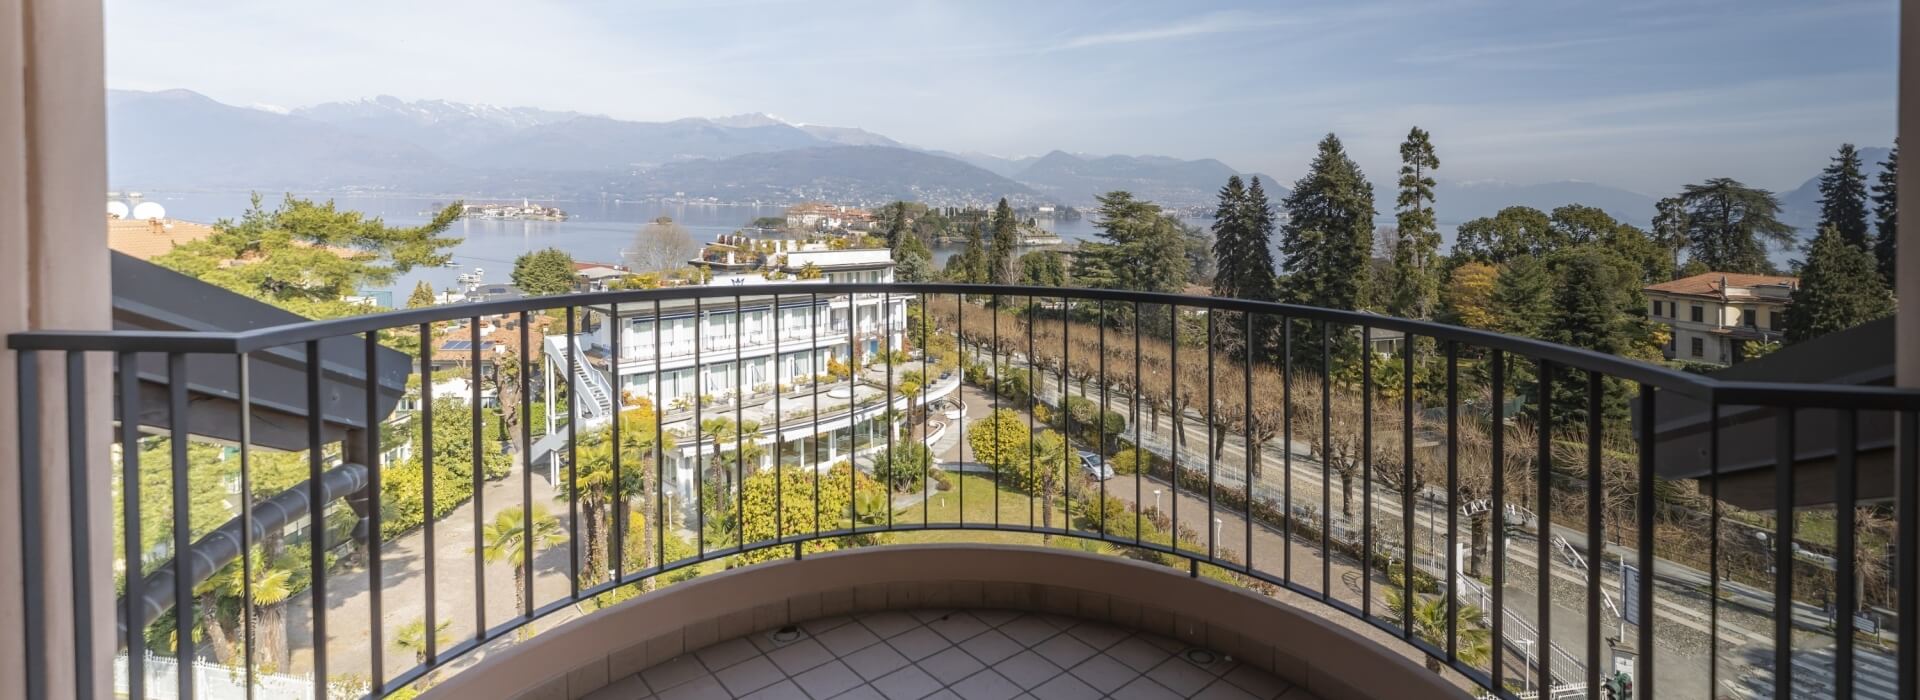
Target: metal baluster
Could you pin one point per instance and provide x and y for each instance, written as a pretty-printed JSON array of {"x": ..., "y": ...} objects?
[
  {"x": 699, "y": 434},
  {"x": 426, "y": 485},
  {"x": 926, "y": 411},
  {"x": 1286, "y": 450},
  {"x": 813, "y": 359},
  {"x": 573, "y": 462},
  {"x": 376, "y": 668},
  {"x": 1140, "y": 462},
  {"x": 618, "y": 553},
  {"x": 1498, "y": 514},
  {"x": 659, "y": 448},
  {"x": 886, "y": 340},
  {"x": 1643, "y": 673},
  {"x": 960, "y": 399},
  {"x": 994, "y": 397},
  {"x": 129, "y": 376},
  {"x": 1544, "y": 514},
  {"x": 1366, "y": 473},
  {"x": 1713, "y": 541},
  {"x": 316, "y": 525},
  {"x": 1407, "y": 502},
  {"x": 1908, "y": 553},
  {"x": 1326, "y": 482},
  {"x": 1453, "y": 509},
  {"x": 1783, "y": 487},
  {"x": 853, "y": 414},
  {"x": 1596, "y": 547},
  {"x": 479, "y": 483},
  {"x": 33, "y": 548},
  {"x": 740, "y": 427},
  {"x": 1034, "y": 381},
  {"x": 80, "y": 520},
  {"x": 1179, "y": 425},
  {"x": 1846, "y": 439},
  {"x": 526, "y": 473},
  {"x": 1101, "y": 431},
  {"x": 1246, "y": 418},
  {"x": 1213, "y": 419},
  {"x": 779, "y": 442}
]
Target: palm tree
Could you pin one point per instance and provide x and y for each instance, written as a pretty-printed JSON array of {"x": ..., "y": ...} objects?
[
  {"x": 413, "y": 637},
  {"x": 507, "y": 539},
  {"x": 271, "y": 589},
  {"x": 1430, "y": 623}
]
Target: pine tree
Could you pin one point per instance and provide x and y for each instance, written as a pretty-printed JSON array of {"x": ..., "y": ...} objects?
[
  {"x": 1329, "y": 233},
  {"x": 1843, "y": 196},
  {"x": 422, "y": 296},
  {"x": 970, "y": 266},
  {"x": 1839, "y": 289},
  {"x": 1234, "y": 277},
  {"x": 1415, "y": 281},
  {"x": 1006, "y": 238},
  {"x": 897, "y": 227},
  {"x": 1670, "y": 227},
  {"x": 1140, "y": 249},
  {"x": 1886, "y": 209},
  {"x": 1523, "y": 298},
  {"x": 1728, "y": 225}
]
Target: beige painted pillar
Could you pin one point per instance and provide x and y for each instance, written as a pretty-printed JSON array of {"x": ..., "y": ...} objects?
[{"x": 53, "y": 274}]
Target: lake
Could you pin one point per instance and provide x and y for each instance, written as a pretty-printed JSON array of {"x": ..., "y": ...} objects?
[{"x": 597, "y": 231}]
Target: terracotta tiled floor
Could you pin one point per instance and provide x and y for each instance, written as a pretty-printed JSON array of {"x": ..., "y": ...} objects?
[{"x": 949, "y": 654}]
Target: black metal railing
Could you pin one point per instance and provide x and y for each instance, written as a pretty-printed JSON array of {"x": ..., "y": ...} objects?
[{"x": 1482, "y": 440}]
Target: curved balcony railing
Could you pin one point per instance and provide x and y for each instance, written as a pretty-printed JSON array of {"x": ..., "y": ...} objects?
[{"x": 1417, "y": 479}]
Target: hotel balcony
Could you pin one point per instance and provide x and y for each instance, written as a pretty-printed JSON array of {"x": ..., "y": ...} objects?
[
  {"x": 1175, "y": 496},
  {"x": 1266, "y": 519}
]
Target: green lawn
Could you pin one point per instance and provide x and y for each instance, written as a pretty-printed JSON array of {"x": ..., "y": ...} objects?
[{"x": 945, "y": 508}]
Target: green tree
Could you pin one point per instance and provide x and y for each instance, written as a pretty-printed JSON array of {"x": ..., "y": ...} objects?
[
  {"x": 1006, "y": 239},
  {"x": 1839, "y": 289},
  {"x": 1243, "y": 242},
  {"x": 1430, "y": 623},
  {"x": 1415, "y": 282},
  {"x": 904, "y": 468},
  {"x": 1669, "y": 230},
  {"x": 1328, "y": 237},
  {"x": 1043, "y": 268},
  {"x": 1843, "y": 196},
  {"x": 1523, "y": 298},
  {"x": 782, "y": 501},
  {"x": 1002, "y": 442},
  {"x": 1886, "y": 210},
  {"x": 1579, "y": 224},
  {"x": 1596, "y": 305},
  {"x": 422, "y": 296},
  {"x": 1729, "y": 225},
  {"x": 1140, "y": 247},
  {"x": 544, "y": 272},
  {"x": 970, "y": 264},
  {"x": 506, "y": 538},
  {"x": 412, "y": 637},
  {"x": 305, "y": 257},
  {"x": 1511, "y": 233}
]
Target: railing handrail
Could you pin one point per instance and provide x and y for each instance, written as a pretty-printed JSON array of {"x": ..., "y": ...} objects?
[{"x": 1697, "y": 386}]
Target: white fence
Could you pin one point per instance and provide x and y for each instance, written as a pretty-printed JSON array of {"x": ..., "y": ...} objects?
[{"x": 211, "y": 681}]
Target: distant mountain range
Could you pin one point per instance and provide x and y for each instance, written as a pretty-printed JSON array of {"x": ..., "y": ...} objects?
[{"x": 179, "y": 139}]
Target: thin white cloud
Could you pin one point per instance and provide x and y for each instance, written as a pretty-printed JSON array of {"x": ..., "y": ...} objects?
[
  {"x": 1489, "y": 50},
  {"x": 1214, "y": 23}
]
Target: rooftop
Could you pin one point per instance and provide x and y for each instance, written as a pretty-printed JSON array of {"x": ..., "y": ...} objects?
[
  {"x": 147, "y": 239},
  {"x": 1730, "y": 284}
]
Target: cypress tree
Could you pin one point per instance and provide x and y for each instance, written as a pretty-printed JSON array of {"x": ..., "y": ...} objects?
[
  {"x": 1258, "y": 213},
  {"x": 1886, "y": 209},
  {"x": 1839, "y": 289},
  {"x": 1843, "y": 196},
  {"x": 1006, "y": 237},
  {"x": 422, "y": 296},
  {"x": 1329, "y": 233},
  {"x": 1415, "y": 282}
]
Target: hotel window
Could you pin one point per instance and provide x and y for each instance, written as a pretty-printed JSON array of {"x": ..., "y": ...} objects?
[
  {"x": 1775, "y": 321},
  {"x": 1656, "y": 308},
  {"x": 1699, "y": 314},
  {"x": 1749, "y": 318},
  {"x": 1699, "y": 346}
]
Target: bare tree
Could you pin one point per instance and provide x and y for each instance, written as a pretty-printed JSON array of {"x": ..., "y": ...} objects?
[{"x": 661, "y": 246}]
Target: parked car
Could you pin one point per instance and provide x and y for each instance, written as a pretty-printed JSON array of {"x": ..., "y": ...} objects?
[{"x": 1091, "y": 464}]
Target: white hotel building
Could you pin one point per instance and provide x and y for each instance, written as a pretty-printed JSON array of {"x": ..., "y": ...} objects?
[{"x": 751, "y": 361}]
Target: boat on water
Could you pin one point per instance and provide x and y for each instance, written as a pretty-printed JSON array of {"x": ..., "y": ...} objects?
[{"x": 477, "y": 276}]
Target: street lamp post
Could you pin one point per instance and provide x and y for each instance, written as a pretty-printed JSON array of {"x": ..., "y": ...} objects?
[
  {"x": 1156, "y": 499},
  {"x": 1526, "y": 683}
]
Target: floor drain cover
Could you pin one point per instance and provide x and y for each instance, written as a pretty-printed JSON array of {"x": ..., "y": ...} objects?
[
  {"x": 1201, "y": 657},
  {"x": 784, "y": 635}
]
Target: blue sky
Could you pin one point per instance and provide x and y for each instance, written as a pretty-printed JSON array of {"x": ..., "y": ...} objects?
[{"x": 1643, "y": 95}]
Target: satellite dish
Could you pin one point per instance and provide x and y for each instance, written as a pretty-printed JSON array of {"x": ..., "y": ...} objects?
[
  {"x": 117, "y": 209},
  {"x": 149, "y": 210}
]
